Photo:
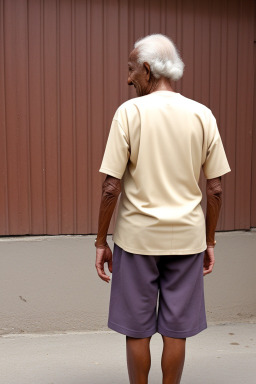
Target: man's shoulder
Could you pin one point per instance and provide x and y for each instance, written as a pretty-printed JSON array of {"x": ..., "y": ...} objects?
[
  {"x": 182, "y": 100},
  {"x": 128, "y": 107},
  {"x": 132, "y": 102},
  {"x": 195, "y": 105},
  {"x": 147, "y": 103}
]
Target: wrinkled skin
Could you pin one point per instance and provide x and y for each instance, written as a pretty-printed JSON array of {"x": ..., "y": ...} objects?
[
  {"x": 111, "y": 189},
  {"x": 214, "y": 201},
  {"x": 140, "y": 76}
]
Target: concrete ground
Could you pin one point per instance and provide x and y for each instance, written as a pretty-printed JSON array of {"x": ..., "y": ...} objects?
[
  {"x": 222, "y": 354},
  {"x": 49, "y": 283}
]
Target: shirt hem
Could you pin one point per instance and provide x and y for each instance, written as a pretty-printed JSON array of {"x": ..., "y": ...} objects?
[{"x": 161, "y": 251}]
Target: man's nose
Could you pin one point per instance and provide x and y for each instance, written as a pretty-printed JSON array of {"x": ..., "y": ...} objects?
[{"x": 129, "y": 82}]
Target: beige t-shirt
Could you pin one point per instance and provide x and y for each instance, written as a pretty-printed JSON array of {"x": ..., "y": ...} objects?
[{"x": 157, "y": 145}]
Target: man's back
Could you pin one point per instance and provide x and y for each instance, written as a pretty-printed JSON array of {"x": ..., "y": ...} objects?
[{"x": 166, "y": 139}]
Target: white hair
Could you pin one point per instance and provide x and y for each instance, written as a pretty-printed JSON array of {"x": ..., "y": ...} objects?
[{"x": 161, "y": 54}]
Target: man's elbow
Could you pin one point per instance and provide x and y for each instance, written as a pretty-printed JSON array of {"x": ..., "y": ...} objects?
[
  {"x": 213, "y": 187},
  {"x": 111, "y": 187}
]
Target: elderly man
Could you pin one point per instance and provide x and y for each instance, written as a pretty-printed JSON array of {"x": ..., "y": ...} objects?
[{"x": 157, "y": 145}]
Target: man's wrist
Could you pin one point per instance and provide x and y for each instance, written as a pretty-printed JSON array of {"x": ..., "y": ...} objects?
[
  {"x": 100, "y": 243},
  {"x": 211, "y": 244}
]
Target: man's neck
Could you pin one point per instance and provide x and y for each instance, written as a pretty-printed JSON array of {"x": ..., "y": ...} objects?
[{"x": 162, "y": 84}]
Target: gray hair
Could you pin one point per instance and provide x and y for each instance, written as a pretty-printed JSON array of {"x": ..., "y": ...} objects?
[{"x": 161, "y": 54}]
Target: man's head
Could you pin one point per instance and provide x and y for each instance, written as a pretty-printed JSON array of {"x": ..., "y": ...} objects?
[{"x": 153, "y": 57}]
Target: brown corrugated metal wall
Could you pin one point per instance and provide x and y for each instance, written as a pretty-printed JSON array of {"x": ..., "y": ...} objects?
[{"x": 63, "y": 69}]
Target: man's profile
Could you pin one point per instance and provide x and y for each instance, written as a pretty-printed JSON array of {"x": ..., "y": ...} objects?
[{"x": 157, "y": 145}]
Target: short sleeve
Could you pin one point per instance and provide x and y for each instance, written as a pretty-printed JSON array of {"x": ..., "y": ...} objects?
[
  {"x": 215, "y": 163},
  {"x": 117, "y": 151}
]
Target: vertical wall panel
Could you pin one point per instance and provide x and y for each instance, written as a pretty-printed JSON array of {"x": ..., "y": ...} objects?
[
  {"x": 17, "y": 127},
  {"x": 66, "y": 117},
  {"x": 244, "y": 116},
  {"x": 22, "y": 121},
  {"x": 63, "y": 73},
  {"x": 224, "y": 91},
  {"x": 35, "y": 118},
  {"x": 229, "y": 110},
  {"x": 171, "y": 29},
  {"x": 171, "y": 20},
  {"x": 4, "y": 222},
  {"x": 140, "y": 20},
  {"x": 206, "y": 56},
  {"x": 154, "y": 16},
  {"x": 187, "y": 47},
  {"x": 198, "y": 50},
  {"x": 81, "y": 115},
  {"x": 50, "y": 80},
  {"x": 215, "y": 54},
  {"x": 111, "y": 55}
]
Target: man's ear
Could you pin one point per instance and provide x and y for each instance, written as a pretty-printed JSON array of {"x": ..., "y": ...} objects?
[{"x": 148, "y": 71}]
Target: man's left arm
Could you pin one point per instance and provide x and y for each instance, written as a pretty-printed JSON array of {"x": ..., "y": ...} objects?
[
  {"x": 111, "y": 189},
  {"x": 214, "y": 200}
]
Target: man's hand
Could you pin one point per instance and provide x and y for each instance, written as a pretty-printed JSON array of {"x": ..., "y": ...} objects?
[
  {"x": 208, "y": 260},
  {"x": 103, "y": 255}
]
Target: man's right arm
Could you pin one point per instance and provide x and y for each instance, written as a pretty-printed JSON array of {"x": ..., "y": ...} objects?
[{"x": 214, "y": 200}]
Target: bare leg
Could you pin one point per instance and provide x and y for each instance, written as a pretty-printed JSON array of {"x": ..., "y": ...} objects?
[
  {"x": 173, "y": 358},
  {"x": 138, "y": 359}
]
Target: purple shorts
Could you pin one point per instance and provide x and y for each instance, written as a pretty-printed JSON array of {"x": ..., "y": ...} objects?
[{"x": 136, "y": 309}]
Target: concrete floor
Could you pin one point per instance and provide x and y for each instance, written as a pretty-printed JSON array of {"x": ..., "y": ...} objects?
[
  {"x": 49, "y": 283},
  {"x": 222, "y": 354}
]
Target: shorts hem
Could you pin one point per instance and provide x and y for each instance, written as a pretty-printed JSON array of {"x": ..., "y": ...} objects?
[
  {"x": 129, "y": 332},
  {"x": 181, "y": 334}
]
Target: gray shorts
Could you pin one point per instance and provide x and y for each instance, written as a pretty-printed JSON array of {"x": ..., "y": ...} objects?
[{"x": 134, "y": 308}]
